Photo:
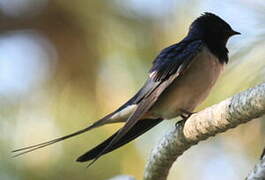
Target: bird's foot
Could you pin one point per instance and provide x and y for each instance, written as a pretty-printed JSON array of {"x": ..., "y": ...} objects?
[
  {"x": 185, "y": 114},
  {"x": 180, "y": 123}
]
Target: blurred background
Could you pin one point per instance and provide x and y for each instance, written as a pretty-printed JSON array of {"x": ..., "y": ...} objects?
[{"x": 65, "y": 64}]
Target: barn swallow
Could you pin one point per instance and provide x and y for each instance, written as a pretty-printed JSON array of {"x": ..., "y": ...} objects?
[{"x": 181, "y": 77}]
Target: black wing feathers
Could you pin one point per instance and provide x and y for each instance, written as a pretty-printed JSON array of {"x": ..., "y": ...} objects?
[
  {"x": 177, "y": 59},
  {"x": 138, "y": 129},
  {"x": 171, "y": 58},
  {"x": 168, "y": 65}
]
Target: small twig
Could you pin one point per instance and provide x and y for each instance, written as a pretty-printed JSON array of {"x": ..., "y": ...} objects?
[{"x": 258, "y": 172}]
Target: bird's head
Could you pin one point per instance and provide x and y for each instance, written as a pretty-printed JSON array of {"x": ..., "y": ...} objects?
[{"x": 212, "y": 29}]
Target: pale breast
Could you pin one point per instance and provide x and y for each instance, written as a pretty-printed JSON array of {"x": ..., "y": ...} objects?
[{"x": 189, "y": 90}]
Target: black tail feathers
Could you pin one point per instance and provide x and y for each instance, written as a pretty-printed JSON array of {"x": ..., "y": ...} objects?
[
  {"x": 28, "y": 149},
  {"x": 138, "y": 129}
]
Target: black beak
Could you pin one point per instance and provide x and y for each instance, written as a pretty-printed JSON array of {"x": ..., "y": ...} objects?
[{"x": 234, "y": 33}]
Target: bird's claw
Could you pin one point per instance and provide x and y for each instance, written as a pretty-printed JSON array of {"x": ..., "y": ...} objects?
[
  {"x": 180, "y": 123},
  {"x": 185, "y": 114}
]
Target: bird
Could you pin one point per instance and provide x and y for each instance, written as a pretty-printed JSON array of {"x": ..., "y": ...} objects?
[{"x": 180, "y": 78}]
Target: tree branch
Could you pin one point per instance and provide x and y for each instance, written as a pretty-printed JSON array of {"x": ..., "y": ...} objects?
[{"x": 218, "y": 118}]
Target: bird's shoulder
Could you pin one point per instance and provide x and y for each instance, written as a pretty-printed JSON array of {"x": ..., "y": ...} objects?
[{"x": 174, "y": 57}]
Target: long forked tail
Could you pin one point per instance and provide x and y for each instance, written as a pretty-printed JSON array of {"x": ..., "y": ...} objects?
[
  {"x": 44, "y": 144},
  {"x": 138, "y": 129}
]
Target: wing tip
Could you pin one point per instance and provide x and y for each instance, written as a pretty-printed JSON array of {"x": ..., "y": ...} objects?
[
  {"x": 90, "y": 155},
  {"x": 144, "y": 126},
  {"x": 80, "y": 159}
]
